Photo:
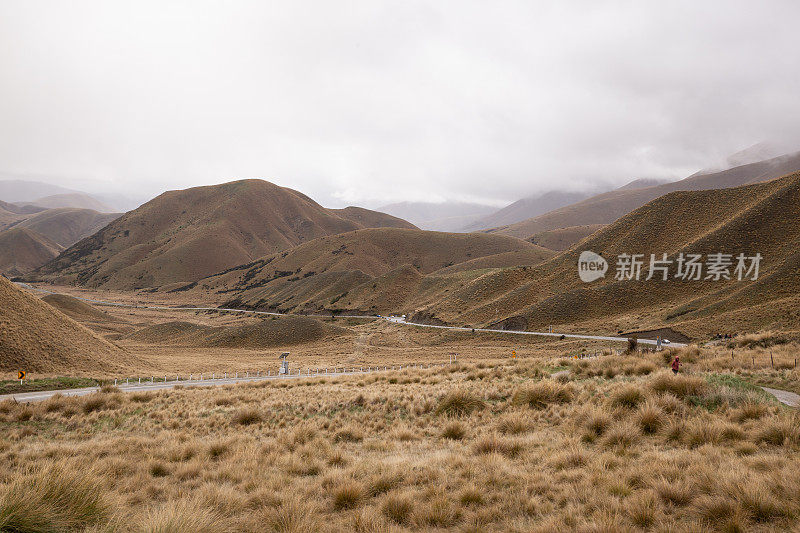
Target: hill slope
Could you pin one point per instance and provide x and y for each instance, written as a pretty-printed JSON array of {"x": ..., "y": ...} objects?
[
  {"x": 36, "y": 337},
  {"x": 760, "y": 218},
  {"x": 526, "y": 208},
  {"x": 182, "y": 236},
  {"x": 286, "y": 331},
  {"x": 75, "y": 200},
  {"x": 364, "y": 270},
  {"x": 66, "y": 226},
  {"x": 608, "y": 207},
  {"x": 22, "y": 250}
]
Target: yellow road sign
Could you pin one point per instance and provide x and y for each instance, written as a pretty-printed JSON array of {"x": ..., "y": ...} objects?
[
  {"x": 21, "y": 374},
  {"x": 514, "y": 353}
]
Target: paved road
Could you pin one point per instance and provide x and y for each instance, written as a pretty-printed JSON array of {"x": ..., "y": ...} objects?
[
  {"x": 393, "y": 319},
  {"x": 38, "y": 396}
]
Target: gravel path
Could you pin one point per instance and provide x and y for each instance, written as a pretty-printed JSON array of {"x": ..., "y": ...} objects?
[{"x": 784, "y": 396}]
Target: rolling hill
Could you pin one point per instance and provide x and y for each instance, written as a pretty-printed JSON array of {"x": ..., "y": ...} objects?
[
  {"x": 563, "y": 238},
  {"x": 285, "y": 331},
  {"x": 74, "y": 200},
  {"x": 369, "y": 270},
  {"x": 36, "y": 337},
  {"x": 526, "y": 208},
  {"x": 182, "y": 236},
  {"x": 761, "y": 218},
  {"x": 22, "y": 250},
  {"x": 66, "y": 226},
  {"x": 608, "y": 207}
]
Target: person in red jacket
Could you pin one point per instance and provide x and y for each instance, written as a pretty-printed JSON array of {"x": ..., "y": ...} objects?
[{"x": 676, "y": 365}]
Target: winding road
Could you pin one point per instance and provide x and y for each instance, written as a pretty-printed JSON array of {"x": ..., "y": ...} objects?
[
  {"x": 43, "y": 395},
  {"x": 392, "y": 319}
]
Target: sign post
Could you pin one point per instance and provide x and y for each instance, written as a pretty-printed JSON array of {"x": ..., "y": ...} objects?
[{"x": 21, "y": 375}]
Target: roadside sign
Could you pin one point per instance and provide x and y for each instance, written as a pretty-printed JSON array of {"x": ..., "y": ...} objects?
[
  {"x": 22, "y": 374},
  {"x": 514, "y": 354}
]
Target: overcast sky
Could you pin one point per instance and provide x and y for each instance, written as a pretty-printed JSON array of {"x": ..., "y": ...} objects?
[{"x": 372, "y": 102}]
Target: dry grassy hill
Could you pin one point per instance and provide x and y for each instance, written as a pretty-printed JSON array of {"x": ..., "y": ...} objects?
[
  {"x": 526, "y": 208},
  {"x": 22, "y": 250},
  {"x": 608, "y": 207},
  {"x": 365, "y": 270},
  {"x": 76, "y": 309},
  {"x": 563, "y": 238},
  {"x": 285, "y": 331},
  {"x": 182, "y": 236},
  {"x": 36, "y": 337},
  {"x": 760, "y": 218},
  {"x": 66, "y": 226},
  {"x": 75, "y": 200}
]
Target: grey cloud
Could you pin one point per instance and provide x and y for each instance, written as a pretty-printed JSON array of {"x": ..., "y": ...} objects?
[{"x": 375, "y": 102}]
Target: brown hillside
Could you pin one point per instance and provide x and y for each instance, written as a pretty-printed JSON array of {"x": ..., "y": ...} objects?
[
  {"x": 36, "y": 337},
  {"x": 268, "y": 333},
  {"x": 366, "y": 218},
  {"x": 182, "y": 236},
  {"x": 563, "y": 238},
  {"x": 76, "y": 309},
  {"x": 318, "y": 275},
  {"x": 526, "y": 208},
  {"x": 759, "y": 218},
  {"x": 608, "y": 207},
  {"x": 22, "y": 250},
  {"x": 75, "y": 200},
  {"x": 67, "y": 225}
]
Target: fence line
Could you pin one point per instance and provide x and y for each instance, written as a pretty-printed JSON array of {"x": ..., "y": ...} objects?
[{"x": 259, "y": 375}]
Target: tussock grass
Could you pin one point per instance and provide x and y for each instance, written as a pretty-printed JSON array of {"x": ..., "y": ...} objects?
[
  {"x": 630, "y": 453},
  {"x": 459, "y": 402},
  {"x": 246, "y": 417},
  {"x": 54, "y": 499},
  {"x": 543, "y": 393},
  {"x": 454, "y": 431}
]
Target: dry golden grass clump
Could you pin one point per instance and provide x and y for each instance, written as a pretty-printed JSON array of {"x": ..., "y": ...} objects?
[{"x": 417, "y": 450}]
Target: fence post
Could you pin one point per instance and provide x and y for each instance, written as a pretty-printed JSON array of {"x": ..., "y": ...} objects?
[{"x": 115, "y": 382}]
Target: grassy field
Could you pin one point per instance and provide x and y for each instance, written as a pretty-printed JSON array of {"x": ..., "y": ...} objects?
[{"x": 614, "y": 443}]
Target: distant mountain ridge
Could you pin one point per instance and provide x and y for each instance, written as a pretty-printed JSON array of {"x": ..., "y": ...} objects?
[
  {"x": 182, "y": 236},
  {"x": 607, "y": 207},
  {"x": 445, "y": 216}
]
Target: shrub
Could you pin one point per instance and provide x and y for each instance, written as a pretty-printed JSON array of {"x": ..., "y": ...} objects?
[
  {"x": 627, "y": 396},
  {"x": 513, "y": 424},
  {"x": 53, "y": 499},
  {"x": 347, "y": 494},
  {"x": 293, "y": 516},
  {"x": 643, "y": 509},
  {"x": 95, "y": 402},
  {"x": 680, "y": 385},
  {"x": 348, "y": 435},
  {"x": 454, "y": 431},
  {"x": 597, "y": 423},
  {"x": 458, "y": 403},
  {"x": 541, "y": 394},
  {"x": 397, "y": 508},
  {"x": 495, "y": 444},
  {"x": 780, "y": 431},
  {"x": 246, "y": 417},
  {"x": 650, "y": 418},
  {"x": 183, "y": 516},
  {"x": 622, "y": 435}
]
